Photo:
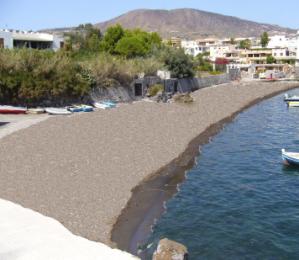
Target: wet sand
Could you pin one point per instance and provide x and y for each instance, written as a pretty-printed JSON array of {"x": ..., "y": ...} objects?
[{"x": 81, "y": 169}]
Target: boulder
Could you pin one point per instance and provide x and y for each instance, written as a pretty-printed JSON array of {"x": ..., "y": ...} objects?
[{"x": 170, "y": 250}]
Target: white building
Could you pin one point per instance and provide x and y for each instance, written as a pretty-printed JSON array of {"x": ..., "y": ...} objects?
[
  {"x": 192, "y": 47},
  {"x": 22, "y": 39},
  {"x": 283, "y": 54}
]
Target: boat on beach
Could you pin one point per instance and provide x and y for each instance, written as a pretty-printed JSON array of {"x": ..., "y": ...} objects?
[
  {"x": 104, "y": 104},
  {"x": 75, "y": 109},
  {"x": 35, "y": 110},
  {"x": 58, "y": 111},
  {"x": 86, "y": 108},
  {"x": 80, "y": 108},
  {"x": 290, "y": 158},
  {"x": 12, "y": 110},
  {"x": 288, "y": 98}
]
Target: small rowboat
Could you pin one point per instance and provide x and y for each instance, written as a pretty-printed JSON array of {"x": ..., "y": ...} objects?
[
  {"x": 293, "y": 103},
  {"x": 104, "y": 104},
  {"x": 86, "y": 108},
  {"x": 80, "y": 108},
  {"x": 35, "y": 111},
  {"x": 290, "y": 158},
  {"x": 75, "y": 109},
  {"x": 58, "y": 111},
  {"x": 288, "y": 98},
  {"x": 12, "y": 110}
]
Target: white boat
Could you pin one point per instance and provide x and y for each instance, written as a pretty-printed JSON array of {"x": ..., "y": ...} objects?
[
  {"x": 58, "y": 111},
  {"x": 290, "y": 158},
  {"x": 35, "y": 111},
  {"x": 288, "y": 98},
  {"x": 101, "y": 105}
]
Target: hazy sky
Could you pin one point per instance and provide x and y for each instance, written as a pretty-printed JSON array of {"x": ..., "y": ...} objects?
[{"x": 38, "y": 14}]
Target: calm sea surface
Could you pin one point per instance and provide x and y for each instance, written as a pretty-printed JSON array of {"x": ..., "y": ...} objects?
[{"x": 239, "y": 201}]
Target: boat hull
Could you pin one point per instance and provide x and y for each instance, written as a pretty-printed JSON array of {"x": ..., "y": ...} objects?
[
  {"x": 12, "y": 110},
  {"x": 58, "y": 111},
  {"x": 288, "y": 159}
]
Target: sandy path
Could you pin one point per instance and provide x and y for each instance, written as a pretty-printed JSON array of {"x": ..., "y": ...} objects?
[{"x": 80, "y": 169}]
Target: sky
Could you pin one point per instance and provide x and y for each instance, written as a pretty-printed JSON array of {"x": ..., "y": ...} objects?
[{"x": 37, "y": 14}]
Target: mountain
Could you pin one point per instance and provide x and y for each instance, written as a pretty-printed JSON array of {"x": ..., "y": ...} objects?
[{"x": 191, "y": 23}]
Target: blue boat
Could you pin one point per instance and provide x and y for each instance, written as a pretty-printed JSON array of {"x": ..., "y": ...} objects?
[
  {"x": 75, "y": 109},
  {"x": 111, "y": 104},
  {"x": 290, "y": 158},
  {"x": 86, "y": 108}
]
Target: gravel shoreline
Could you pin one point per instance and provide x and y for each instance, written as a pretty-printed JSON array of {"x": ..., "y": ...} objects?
[{"x": 81, "y": 169}]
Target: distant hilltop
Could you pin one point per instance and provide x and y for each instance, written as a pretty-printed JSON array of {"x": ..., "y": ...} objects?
[{"x": 189, "y": 23}]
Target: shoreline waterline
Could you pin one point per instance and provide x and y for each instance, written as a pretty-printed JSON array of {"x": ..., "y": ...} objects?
[{"x": 133, "y": 226}]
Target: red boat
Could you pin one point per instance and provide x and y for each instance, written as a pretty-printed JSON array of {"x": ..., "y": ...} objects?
[{"x": 12, "y": 110}]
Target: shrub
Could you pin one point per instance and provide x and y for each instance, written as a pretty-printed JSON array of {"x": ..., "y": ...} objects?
[
  {"x": 31, "y": 76},
  {"x": 178, "y": 63},
  {"x": 183, "y": 98},
  {"x": 155, "y": 89}
]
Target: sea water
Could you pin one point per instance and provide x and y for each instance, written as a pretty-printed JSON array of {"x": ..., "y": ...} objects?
[{"x": 239, "y": 201}]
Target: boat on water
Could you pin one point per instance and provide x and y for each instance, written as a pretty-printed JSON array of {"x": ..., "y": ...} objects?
[
  {"x": 290, "y": 158},
  {"x": 12, "y": 110},
  {"x": 58, "y": 111},
  {"x": 288, "y": 98},
  {"x": 293, "y": 103}
]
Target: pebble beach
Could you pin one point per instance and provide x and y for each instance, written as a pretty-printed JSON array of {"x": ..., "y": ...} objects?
[{"x": 81, "y": 169}]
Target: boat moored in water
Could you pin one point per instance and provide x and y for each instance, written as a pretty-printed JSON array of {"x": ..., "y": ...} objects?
[
  {"x": 293, "y": 103},
  {"x": 290, "y": 158},
  {"x": 12, "y": 110},
  {"x": 288, "y": 98}
]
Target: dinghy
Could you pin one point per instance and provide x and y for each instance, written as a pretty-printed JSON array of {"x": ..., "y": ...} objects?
[
  {"x": 35, "y": 111},
  {"x": 86, "y": 108},
  {"x": 293, "y": 103},
  {"x": 58, "y": 111},
  {"x": 288, "y": 98},
  {"x": 75, "y": 109},
  {"x": 290, "y": 158},
  {"x": 12, "y": 110}
]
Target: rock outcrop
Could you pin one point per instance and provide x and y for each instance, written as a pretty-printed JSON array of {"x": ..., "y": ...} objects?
[{"x": 170, "y": 250}]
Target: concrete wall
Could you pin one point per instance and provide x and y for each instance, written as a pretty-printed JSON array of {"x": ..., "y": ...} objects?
[
  {"x": 8, "y": 40},
  {"x": 191, "y": 84}
]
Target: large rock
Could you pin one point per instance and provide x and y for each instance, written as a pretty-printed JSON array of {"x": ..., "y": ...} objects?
[{"x": 170, "y": 250}]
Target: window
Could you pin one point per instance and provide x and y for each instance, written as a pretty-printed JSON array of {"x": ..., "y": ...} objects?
[{"x": 1, "y": 43}]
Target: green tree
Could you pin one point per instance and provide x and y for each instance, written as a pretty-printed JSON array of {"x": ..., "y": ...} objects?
[
  {"x": 178, "y": 63},
  {"x": 111, "y": 38},
  {"x": 201, "y": 63},
  {"x": 245, "y": 44},
  {"x": 130, "y": 47},
  {"x": 270, "y": 59},
  {"x": 264, "y": 39}
]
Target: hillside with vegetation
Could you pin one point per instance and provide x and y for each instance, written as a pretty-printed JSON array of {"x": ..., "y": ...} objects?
[{"x": 88, "y": 60}]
